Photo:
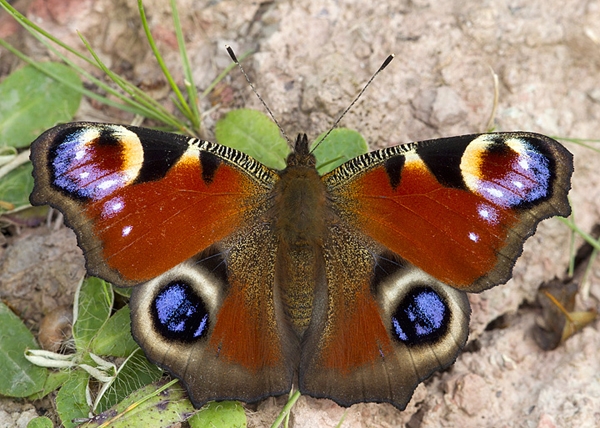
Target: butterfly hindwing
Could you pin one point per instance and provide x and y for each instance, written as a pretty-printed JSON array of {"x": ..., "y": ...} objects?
[
  {"x": 214, "y": 322},
  {"x": 387, "y": 326}
]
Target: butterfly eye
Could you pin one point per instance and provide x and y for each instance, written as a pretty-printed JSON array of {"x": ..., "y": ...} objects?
[
  {"x": 179, "y": 313},
  {"x": 421, "y": 316}
]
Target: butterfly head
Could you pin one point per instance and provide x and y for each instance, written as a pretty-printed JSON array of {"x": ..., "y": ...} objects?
[{"x": 301, "y": 156}]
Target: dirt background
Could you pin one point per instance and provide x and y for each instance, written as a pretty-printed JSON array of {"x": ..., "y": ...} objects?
[{"x": 310, "y": 59}]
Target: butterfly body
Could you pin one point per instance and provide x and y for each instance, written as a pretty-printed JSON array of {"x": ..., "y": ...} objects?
[
  {"x": 249, "y": 280},
  {"x": 299, "y": 218}
]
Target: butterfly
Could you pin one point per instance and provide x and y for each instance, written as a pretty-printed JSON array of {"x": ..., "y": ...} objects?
[{"x": 248, "y": 280}]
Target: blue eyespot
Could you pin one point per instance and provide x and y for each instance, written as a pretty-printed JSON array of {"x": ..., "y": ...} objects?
[
  {"x": 87, "y": 162},
  {"x": 421, "y": 317},
  {"x": 179, "y": 313},
  {"x": 527, "y": 180}
]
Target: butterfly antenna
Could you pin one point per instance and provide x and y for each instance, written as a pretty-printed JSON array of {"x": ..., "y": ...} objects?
[
  {"x": 384, "y": 65},
  {"x": 234, "y": 59}
]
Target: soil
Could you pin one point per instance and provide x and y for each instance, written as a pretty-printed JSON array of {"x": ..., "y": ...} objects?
[{"x": 310, "y": 58}]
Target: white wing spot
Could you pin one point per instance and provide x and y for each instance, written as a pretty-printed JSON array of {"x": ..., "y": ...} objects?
[
  {"x": 494, "y": 192},
  {"x": 473, "y": 237},
  {"x": 127, "y": 230},
  {"x": 107, "y": 184},
  {"x": 112, "y": 207},
  {"x": 117, "y": 206},
  {"x": 487, "y": 213},
  {"x": 524, "y": 164}
]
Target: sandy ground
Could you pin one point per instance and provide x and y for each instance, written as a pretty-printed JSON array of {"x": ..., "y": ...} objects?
[{"x": 310, "y": 59}]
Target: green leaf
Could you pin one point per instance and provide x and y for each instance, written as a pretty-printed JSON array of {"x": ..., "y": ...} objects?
[
  {"x": 54, "y": 381},
  {"x": 71, "y": 403},
  {"x": 94, "y": 302},
  {"x": 18, "y": 377},
  {"x": 114, "y": 337},
  {"x": 33, "y": 102},
  {"x": 226, "y": 414},
  {"x": 123, "y": 291},
  {"x": 135, "y": 373},
  {"x": 144, "y": 408},
  {"x": 40, "y": 422},
  {"x": 16, "y": 186},
  {"x": 341, "y": 145},
  {"x": 253, "y": 133}
]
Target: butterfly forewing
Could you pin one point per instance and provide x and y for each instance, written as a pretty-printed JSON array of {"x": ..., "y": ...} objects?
[
  {"x": 459, "y": 208},
  {"x": 143, "y": 201}
]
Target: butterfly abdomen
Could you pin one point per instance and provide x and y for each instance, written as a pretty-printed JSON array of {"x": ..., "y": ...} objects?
[{"x": 300, "y": 212}]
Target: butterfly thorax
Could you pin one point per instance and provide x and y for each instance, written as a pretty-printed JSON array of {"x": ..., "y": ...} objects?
[{"x": 301, "y": 213}]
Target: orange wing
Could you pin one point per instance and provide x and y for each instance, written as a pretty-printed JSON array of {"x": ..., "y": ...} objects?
[
  {"x": 409, "y": 221},
  {"x": 176, "y": 214},
  {"x": 458, "y": 208},
  {"x": 386, "y": 326},
  {"x": 143, "y": 201}
]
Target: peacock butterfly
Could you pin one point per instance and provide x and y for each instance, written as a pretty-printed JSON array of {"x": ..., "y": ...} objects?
[{"x": 351, "y": 285}]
